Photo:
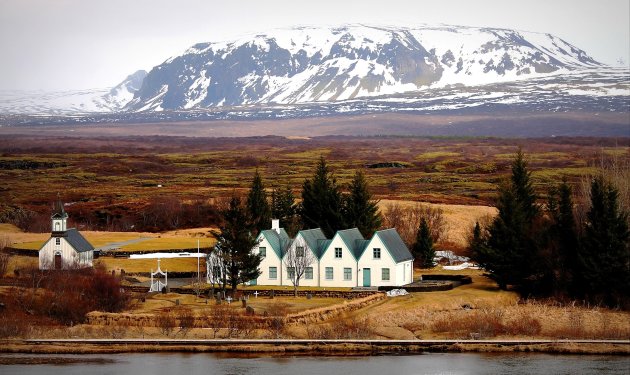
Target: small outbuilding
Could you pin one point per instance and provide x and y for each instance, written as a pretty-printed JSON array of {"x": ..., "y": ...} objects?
[{"x": 66, "y": 248}]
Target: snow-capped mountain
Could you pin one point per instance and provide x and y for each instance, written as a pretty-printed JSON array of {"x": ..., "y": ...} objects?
[
  {"x": 122, "y": 93},
  {"x": 309, "y": 64},
  {"x": 72, "y": 102}
]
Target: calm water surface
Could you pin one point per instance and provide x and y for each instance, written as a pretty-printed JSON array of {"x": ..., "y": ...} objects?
[{"x": 447, "y": 363}]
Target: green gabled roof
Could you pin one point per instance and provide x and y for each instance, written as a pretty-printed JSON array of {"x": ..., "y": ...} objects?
[
  {"x": 314, "y": 238},
  {"x": 352, "y": 238},
  {"x": 323, "y": 245},
  {"x": 394, "y": 244},
  {"x": 360, "y": 246},
  {"x": 276, "y": 240}
]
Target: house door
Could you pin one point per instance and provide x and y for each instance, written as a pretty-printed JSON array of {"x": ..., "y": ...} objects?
[
  {"x": 58, "y": 261},
  {"x": 253, "y": 282},
  {"x": 367, "y": 277}
]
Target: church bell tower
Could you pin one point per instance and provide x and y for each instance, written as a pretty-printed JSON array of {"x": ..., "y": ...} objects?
[{"x": 59, "y": 217}]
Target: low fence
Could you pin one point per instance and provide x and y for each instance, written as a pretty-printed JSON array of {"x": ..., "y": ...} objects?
[{"x": 252, "y": 321}]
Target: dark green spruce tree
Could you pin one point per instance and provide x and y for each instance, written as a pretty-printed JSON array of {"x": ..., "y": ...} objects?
[
  {"x": 235, "y": 242},
  {"x": 257, "y": 205},
  {"x": 284, "y": 209},
  {"x": 604, "y": 259},
  {"x": 510, "y": 254},
  {"x": 360, "y": 209},
  {"x": 322, "y": 201},
  {"x": 423, "y": 249},
  {"x": 476, "y": 242},
  {"x": 562, "y": 240}
]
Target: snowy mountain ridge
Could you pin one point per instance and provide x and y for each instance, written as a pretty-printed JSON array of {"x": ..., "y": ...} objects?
[{"x": 314, "y": 64}]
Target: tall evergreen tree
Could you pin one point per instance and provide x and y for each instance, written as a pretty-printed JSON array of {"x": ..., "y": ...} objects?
[
  {"x": 423, "y": 249},
  {"x": 562, "y": 239},
  {"x": 322, "y": 201},
  {"x": 284, "y": 209},
  {"x": 605, "y": 252},
  {"x": 360, "y": 209},
  {"x": 257, "y": 205},
  {"x": 510, "y": 254},
  {"x": 235, "y": 242}
]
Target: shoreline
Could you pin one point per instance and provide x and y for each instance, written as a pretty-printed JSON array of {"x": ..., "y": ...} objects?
[{"x": 264, "y": 347}]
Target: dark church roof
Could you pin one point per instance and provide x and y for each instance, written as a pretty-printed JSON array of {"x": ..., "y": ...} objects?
[{"x": 77, "y": 241}]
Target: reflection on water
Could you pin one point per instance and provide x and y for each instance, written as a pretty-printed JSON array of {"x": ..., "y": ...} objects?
[{"x": 434, "y": 363}]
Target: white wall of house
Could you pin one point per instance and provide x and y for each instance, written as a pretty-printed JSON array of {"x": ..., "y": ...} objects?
[
  {"x": 70, "y": 258},
  {"x": 404, "y": 272},
  {"x": 270, "y": 259},
  {"x": 338, "y": 265},
  {"x": 376, "y": 266},
  {"x": 299, "y": 241}
]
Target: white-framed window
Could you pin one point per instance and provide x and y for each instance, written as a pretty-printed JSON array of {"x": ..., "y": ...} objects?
[
  {"x": 308, "y": 273},
  {"x": 273, "y": 273},
  {"x": 385, "y": 274},
  {"x": 347, "y": 273},
  {"x": 58, "y": 241},
  {"x": 291, "y": 272},
  {"x": 338, "y": 252},
  {"x": 329, "y": 273},
  {"x": 376, "y": 253},
  {"x": 299, "y": 251},
  {"x": 262, "y": 251}
]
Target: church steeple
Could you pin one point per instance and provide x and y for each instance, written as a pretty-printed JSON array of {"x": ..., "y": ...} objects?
[{"x": 59, "y": 216}]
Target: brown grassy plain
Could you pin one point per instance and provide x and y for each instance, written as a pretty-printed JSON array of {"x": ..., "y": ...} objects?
[{"x": 109, "y": 182}]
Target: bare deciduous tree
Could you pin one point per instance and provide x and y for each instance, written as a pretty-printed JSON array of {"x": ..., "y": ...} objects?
[
  {"x": 406, "y": 220},
  {"x": 297, "y": 260}
]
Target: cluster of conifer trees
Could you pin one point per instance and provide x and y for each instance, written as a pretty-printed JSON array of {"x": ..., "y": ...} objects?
[{"x": 543, "y": 249}]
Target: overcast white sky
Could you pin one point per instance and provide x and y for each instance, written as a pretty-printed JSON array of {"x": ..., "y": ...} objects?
[{"x": 75, "y": 44}]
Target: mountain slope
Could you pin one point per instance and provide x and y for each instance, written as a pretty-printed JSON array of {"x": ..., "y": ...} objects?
[
  {"x": 72, "y": 102},
  {"x": 309, "y": 64}
]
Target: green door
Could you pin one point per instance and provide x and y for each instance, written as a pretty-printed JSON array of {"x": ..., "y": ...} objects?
[
  {"x": 253, "y": 282},
  {"x": 367, "y": 277}
]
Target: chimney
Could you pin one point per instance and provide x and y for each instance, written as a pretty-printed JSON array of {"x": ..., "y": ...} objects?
[{"x": 275, "y": 225}]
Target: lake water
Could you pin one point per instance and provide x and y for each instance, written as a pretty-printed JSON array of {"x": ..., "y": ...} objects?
[{"x": 432, "y": 363}]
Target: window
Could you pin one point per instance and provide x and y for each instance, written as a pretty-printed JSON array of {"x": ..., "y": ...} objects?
[
  {"x": 308, "y": 273},
  {"x": 262, "y": 251},
  {"x": 329, "y": 273},
  {"x": 57, "y": 241},
  {"x": 385, "y": 274},
  {"x": 299, "y": 251},
  {"x": 291, "y": 272},
  {"x": 347, "y": 273},
  {"x": 273, "y": 273},
  {"x": 338, "y": 252},
  {"x": 377, "y": 253}
]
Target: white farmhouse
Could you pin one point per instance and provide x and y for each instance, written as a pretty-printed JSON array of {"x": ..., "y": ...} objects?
[
  {"x": 339, "y": 260},
  {"x": 66, "y": 248},
  {"x": 386, "y": 261},
  {"x": 346, "y": 260},
  {"x": 272, "y": 245}
]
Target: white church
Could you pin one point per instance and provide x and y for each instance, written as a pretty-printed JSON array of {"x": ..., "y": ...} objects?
[
  {"x": 66, "y": 248},
  {"x": 346, "y": 260}
]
